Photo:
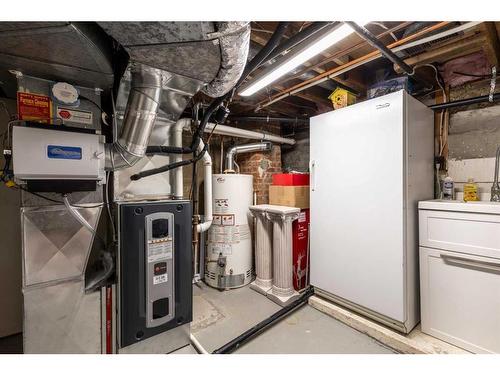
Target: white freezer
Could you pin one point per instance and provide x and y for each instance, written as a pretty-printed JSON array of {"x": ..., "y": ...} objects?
[{"x": 370, "y": 164}]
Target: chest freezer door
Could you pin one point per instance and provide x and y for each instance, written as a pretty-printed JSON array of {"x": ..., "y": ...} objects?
[{"x": 357, "y": 213}]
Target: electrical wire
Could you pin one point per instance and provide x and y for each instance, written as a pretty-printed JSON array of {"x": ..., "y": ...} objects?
[
  {"x": 443, "y": 133},
  {"x": 93, "y": 102},
  {"x": 108, "y": 206},
  {"x": 103, "y": 112},
  {"x": 55, "y": 200},
  {"x": 380, "y": 24}
]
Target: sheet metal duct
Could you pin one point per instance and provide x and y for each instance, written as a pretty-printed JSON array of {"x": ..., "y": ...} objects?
[
  {"x": 140, "y": 115},
  {"x": 214, "y": 53},
  {"x": 179, "y": 58},
  {"x": 76, "y": 52}
]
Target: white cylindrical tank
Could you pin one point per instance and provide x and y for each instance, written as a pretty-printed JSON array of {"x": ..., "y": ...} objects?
[{"x": 229, "y": 262}]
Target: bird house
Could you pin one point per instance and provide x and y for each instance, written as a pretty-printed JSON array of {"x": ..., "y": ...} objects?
[{"x": 342, "y": 98}]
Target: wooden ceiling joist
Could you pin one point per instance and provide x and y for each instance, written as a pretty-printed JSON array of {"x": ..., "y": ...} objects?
[{"x": 492, "y": 45}]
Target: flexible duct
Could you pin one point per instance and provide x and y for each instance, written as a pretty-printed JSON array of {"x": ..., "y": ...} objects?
[
  {"x": 234, "y": 39},
  {"x": 240, "y": 149},
  {"x": 139, "y": 118}
]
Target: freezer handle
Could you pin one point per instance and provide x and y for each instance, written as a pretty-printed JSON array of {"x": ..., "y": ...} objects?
[
  {"x": 312, "y": 170},
  {"x": 472, "y": 262}
]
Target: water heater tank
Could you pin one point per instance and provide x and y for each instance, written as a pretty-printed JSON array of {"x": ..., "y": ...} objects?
[{"x": 228, "y": 262}]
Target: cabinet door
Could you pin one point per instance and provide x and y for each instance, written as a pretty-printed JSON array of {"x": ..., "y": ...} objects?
[
  {"x": 461, "y": 299},
  {"x": 357, "y": 235}
]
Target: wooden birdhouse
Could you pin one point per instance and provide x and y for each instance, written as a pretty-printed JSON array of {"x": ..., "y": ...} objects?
[{"x": 342, "y": 98}]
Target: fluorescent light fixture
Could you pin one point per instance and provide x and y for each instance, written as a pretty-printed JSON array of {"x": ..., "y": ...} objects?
[{"x": 307, "y": 53}]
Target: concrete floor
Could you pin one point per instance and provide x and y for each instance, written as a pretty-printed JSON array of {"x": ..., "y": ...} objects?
[{"x": 218, "y": 317}]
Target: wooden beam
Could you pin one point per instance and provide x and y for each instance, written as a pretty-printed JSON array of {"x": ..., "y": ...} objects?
[
  {"x": 492, "y": 45},
  {"x": 355, "y": 86},
  {"x": 458, "y": 48}
]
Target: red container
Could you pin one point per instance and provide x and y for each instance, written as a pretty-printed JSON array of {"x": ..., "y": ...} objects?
[
  {"x": 300, "y": 233},
  {"x": 291, "y": 179}
]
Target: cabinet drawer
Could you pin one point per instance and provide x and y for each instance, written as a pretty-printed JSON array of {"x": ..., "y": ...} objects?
[
  {"x": 460, "y": 299},
  {"x": 477, "y": 234}
]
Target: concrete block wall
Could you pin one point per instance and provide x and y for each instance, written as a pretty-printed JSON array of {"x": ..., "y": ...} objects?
[
  {"x": 296, "y": 158},
  {"x": 474, "y": 135}
]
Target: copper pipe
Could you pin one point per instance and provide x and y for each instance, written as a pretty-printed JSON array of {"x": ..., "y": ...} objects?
[{"x": 361, "y": 59}]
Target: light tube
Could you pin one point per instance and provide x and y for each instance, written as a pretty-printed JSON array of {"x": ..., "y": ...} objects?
[{"x": 314, "y": 49}]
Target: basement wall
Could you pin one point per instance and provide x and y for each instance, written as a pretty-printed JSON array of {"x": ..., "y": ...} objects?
[
  {"x": 474, "y": 135},
  {"x": 262, "y": 165},
  {"x": 296, "y": 158}
]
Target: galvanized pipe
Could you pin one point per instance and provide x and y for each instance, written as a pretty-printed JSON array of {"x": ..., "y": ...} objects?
[{"x": 139, "y": 118}]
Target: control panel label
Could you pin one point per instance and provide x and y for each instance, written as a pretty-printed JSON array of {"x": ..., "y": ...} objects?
[
  {"x": 221, "y": 206},
  {"x": 222, "y": 248},
  {"x": 160, "y": 279},
  {"x": 64, "y": 152},
  {"x": 159, "y": 250},
  {"x": 73, "y": 115}
]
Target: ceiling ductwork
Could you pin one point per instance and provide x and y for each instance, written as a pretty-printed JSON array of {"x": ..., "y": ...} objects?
[
  {"x": 139, "y": 119},
  {"x": 234, "y": 44},
  {"x": 169, "y": 63},
  {"x": 214, "y": 53},
  {"x": 76, "y": 52},
  {"x": 158, "y": 66}
]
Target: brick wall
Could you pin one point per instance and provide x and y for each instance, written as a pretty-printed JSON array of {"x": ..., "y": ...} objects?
[{"x": 261, "y": 165}]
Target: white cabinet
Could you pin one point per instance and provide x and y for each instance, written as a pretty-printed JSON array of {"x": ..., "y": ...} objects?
[{"x": 460, "y": 273}]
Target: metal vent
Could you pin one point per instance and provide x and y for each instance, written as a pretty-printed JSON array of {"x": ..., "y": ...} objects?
[{"x": 210, "y": 275}]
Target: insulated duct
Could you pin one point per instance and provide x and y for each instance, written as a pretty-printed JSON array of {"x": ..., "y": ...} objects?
[
  {"x": 139, "y": 118},
  {"x": 251, "y": 147},
  {"x": 234, "y": 39}
]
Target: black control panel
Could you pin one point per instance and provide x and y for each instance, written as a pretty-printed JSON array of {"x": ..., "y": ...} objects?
[{"x": 155, "y": 272}]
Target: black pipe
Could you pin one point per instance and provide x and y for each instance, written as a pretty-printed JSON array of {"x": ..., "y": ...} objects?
[
  {"x": 269, "y": 119},
  {"x": 375, "y": 43},
  {"x": 250, "y": 67},
  {"x": 297, "y": 39},
  {"x": 464, "y": 102},
  {"x": 265, "y": 324}
]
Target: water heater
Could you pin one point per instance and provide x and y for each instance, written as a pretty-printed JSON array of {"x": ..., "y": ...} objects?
[{"x": 228, "y": 262}]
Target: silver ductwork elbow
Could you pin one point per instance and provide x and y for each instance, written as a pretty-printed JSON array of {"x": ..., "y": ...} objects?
[
  {"x": 241, "y": 149},
  {"x": 139, "y": 118},
  {"x": 234, "y": 41}
]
